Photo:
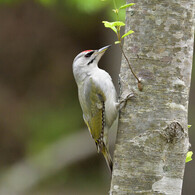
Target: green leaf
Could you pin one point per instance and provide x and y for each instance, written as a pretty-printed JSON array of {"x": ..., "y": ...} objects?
[
  {"x": 126, "y": 5},
  {"x": 189, "y": 126},
  {"x": 113, "y": 25},
  {"x": 128, "y": 33},
  {"x": 109, "y": 25},
  {"x": 117, "y": 42},
  {"x": 189, "y": 156},
  {"x": 118, "y": 23}
]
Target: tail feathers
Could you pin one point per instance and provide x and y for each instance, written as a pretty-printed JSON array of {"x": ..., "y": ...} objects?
[{"x": 107, "y": 156}]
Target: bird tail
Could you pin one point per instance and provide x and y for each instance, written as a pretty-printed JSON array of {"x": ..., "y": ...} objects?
[{"x": 107, "y": 156}]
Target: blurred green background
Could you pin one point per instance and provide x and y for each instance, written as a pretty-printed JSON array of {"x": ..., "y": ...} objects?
[{"x": 38, "y": 95}]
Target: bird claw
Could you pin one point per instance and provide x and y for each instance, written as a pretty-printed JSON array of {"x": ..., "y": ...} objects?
[{"x": 124, "y": 97}]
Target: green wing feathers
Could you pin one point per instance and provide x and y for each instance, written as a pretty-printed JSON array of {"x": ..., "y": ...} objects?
[
  {"x": 95, "y": 103},
  {"x": 94, "y": 117}
]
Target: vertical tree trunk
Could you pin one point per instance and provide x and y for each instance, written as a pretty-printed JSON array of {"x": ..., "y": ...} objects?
[{"x": 152, "y": 139}]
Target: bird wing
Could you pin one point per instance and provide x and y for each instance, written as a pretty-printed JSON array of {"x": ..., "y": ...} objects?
[
  {"x": 95, "y": 104},
  {"x": 94, "y": 117}
]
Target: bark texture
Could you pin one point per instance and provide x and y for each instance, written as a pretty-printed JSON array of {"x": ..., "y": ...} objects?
[{"x": 152, "y": 139}]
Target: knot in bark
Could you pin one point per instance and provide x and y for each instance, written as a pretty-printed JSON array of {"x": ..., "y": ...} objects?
[{"x": 174, "y": 132}]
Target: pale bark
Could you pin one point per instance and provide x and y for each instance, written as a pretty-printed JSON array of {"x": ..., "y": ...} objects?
[{"x": 152, "y": 139}]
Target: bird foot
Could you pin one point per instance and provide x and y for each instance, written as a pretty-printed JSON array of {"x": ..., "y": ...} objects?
[{"x": 124, "y": 97}]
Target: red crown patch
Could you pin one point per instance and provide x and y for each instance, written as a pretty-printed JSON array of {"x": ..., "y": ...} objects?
[{"x": 87, "y": 50}]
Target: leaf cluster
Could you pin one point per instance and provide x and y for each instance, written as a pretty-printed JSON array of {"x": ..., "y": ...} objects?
[{"x": 116, "y": 25}]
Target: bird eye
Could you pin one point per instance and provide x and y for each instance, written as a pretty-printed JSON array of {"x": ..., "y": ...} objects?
[{"x": 89, "y": 54}]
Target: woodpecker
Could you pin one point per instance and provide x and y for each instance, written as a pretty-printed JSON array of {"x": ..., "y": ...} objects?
[{"x": 97, "y": 97}]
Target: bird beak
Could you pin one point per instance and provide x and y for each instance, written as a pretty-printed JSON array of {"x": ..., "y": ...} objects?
[
  {"x": 103, "y": 49},
  {"x": 99, "y": 53}
]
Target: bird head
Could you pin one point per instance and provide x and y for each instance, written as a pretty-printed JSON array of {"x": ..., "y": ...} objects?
[
  {"x": 86, "y": 61},
  {"x": 88, "y": 58}
]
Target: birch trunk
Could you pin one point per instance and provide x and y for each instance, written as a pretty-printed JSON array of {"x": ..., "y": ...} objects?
[{"x": 152, "y": 139}]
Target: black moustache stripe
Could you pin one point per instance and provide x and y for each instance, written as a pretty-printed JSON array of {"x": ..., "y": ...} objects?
[{"x": 90, "y": 62}]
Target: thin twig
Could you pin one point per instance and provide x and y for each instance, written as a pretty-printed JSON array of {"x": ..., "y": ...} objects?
[{"x": 129, "y": 64}]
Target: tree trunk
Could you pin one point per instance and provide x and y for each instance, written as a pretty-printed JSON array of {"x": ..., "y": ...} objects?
[{"x": 152, "y": 139}]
